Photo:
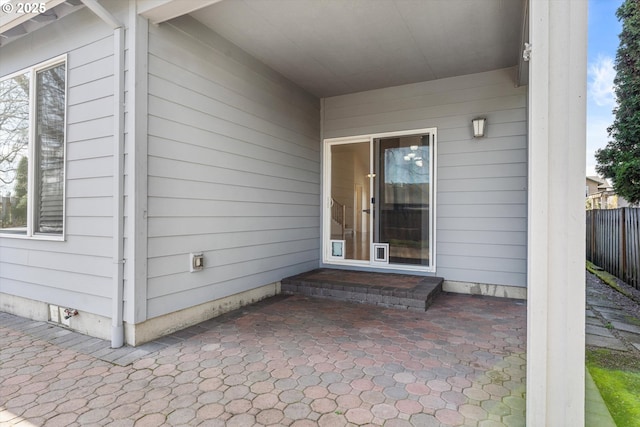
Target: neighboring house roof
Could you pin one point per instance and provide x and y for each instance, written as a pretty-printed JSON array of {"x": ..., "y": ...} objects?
[
  {"x": 604, "y": 190},
  {"x": 605, "y": 187},
  {"x": 596, "y": 179},
  {"x": 602, "y": 183}
]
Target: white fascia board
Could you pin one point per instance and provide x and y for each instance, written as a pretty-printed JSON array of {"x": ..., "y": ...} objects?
[
  {"x": 158, "y": 11},
  {"x": 102, "y": 13},
  {"x": 15, "y": 18}
]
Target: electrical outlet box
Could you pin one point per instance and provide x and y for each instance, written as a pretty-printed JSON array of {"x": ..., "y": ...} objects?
[
  {"x": 54, "y": 313},
  {"x": 196, "y": 262}
]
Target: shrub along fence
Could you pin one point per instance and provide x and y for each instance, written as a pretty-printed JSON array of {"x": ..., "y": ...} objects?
[{"x": 613, "y": 242}]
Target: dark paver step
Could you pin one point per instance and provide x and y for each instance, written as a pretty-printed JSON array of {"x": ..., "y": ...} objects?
[{"x": 402, "y": 291}]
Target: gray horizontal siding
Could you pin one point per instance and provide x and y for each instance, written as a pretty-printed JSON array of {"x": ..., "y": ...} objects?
[
  {"x": 230, "y": 283},
  {"x": 76, "y": 272},
  {"x": 81, "y": 32},
  {"x": 87, "y": 302},
  {"x": 190, "y": 225},
  {"x": 174, "y": 245},
  {"x": 481, "y": 183},
  {"x": 233, "y": 170},
  {"x": 168, "y": 265},
  {"x": 177, "y": 159},
  {"x": 248, "y": 270}
]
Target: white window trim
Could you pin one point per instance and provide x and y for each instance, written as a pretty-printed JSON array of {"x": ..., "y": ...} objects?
[
  {"x": 326, "y": 196},
  {"x": 33, "y": 70}
]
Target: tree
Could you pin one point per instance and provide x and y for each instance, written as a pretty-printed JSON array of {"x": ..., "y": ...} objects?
[
  {"x": 14, "y": 127},
  {"x": 620, "y": 159},
  {"x": 19, "y": 216}
]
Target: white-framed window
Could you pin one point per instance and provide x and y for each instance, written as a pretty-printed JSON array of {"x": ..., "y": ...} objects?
[{"x": 32, "y": 150}]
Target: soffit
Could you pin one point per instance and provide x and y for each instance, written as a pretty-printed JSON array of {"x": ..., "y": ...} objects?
[
  {"x": 14, "y": 24},
  {"x": 334, "y": 47}
]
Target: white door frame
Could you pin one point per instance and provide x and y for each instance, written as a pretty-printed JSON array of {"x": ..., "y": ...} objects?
[{"x": 326, "y": 198}]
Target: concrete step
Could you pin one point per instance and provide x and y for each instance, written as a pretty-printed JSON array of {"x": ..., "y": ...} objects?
[{"x": 401, "y": 291}]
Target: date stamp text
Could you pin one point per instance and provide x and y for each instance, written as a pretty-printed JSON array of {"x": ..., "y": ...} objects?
[{"x": 23, "y": 8}]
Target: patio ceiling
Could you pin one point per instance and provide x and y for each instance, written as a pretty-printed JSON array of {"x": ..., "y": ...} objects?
[{"x": 334, "y": 47}]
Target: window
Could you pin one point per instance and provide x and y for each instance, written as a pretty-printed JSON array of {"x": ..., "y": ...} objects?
[{"x": 32, "y": 150}]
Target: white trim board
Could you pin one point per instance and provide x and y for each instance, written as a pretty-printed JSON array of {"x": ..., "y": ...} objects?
[{"x": 485, "y": 289}]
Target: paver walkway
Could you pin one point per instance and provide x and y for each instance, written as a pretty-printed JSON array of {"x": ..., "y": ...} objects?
[
  {"x": 607, "y": 326},
  {"x": 288, "y": 361}
]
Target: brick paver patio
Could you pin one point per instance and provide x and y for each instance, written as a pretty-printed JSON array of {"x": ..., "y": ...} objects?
[{"x": 288, "y": 361}]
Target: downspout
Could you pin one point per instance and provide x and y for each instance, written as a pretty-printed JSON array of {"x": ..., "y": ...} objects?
[{"x": 117, "y": 305}]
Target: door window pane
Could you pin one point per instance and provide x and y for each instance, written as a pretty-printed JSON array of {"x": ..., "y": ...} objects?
[
  {"x": 350, "y": 213},
  {"x": 404, "y": 198}
]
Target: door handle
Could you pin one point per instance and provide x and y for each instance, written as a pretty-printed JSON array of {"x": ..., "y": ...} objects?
[{"x": 366, "y": 211}]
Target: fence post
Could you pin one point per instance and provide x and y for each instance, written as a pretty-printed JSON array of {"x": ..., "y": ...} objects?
[
  {"x": 593, "y": 235},
  {"x": 623, "y": 245}
]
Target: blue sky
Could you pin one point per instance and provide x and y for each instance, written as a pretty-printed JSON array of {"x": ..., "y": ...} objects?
[{"x": 603, "y": 44}]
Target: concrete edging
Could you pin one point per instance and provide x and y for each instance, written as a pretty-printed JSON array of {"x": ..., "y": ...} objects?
[{"x": 596, "y": 413}]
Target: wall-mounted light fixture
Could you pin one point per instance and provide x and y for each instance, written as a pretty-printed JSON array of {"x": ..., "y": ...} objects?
[{"x": 478, "y": 127}]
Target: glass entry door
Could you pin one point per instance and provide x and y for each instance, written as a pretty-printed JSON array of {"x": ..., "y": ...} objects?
[
  {"x": 350, "y": 229},
  {"x": 402, "y": 197},
  {"x": 379, "y": 204}
]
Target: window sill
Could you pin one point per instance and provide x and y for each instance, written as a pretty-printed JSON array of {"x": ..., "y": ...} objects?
[{"x": 59, "y": 238}]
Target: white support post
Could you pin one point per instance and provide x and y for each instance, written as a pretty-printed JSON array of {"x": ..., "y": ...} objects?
[
  {"x": 556, "y": 242},
  {"x": 137, "y": 168}
]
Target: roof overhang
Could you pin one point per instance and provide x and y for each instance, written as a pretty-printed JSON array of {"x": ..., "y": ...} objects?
[
  {"x": 336, "y": 47},
  {"x": 158, "y": 11},
  {"x": 14, "y": 24}
]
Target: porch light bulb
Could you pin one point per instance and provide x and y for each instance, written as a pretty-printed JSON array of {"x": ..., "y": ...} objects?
[{"x": 478, "y": 127}]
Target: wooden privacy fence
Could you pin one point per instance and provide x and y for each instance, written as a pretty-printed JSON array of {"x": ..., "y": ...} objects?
[{"x": 613, "y": 242}]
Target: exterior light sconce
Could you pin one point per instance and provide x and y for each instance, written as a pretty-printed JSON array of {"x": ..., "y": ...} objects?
[{"x": 478, "y": 127}]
